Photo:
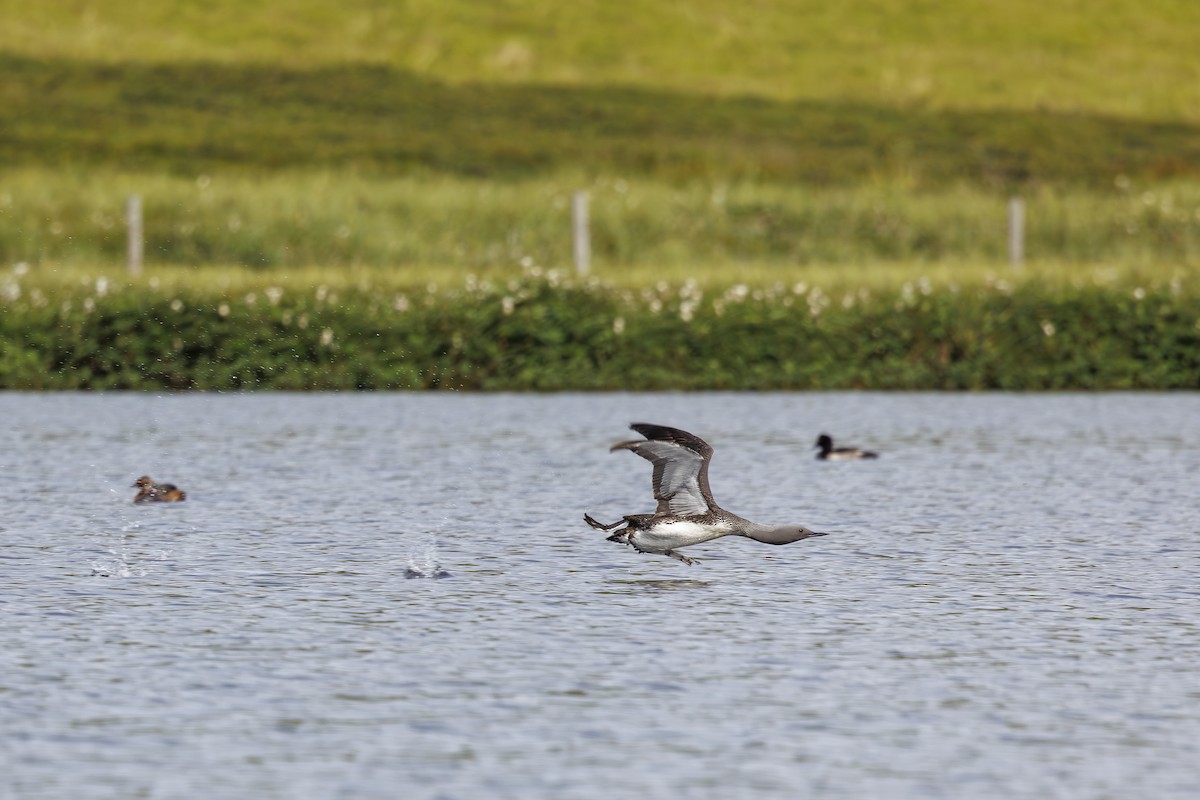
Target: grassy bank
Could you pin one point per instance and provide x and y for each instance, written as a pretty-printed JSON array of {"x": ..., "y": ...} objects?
[
  {"x": 798, "y": 195},
  {"x": 294, "y": 219},
  {"x": 542, "y": 332},
  {"x": 291, "y": 134}
]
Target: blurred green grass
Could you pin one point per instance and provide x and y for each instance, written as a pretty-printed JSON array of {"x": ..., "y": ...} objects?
[
  {"x": 1125, "y": 58},
  {"x": 777, "y": 138},
  {"x": 290, "y": 220},
  {"x": 188, "y": 118}
]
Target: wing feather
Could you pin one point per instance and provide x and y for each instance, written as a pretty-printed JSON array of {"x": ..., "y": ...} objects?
[{"x": 680, "y": 459}]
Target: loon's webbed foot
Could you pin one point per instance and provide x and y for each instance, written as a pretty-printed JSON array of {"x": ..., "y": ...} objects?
[{"x": 683, "y": 558}]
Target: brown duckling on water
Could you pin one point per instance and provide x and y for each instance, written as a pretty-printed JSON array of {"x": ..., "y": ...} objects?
[{"x": 151, "y": 492}]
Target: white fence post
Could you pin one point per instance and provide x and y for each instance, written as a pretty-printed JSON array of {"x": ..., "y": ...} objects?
[
  {"x": 1016, "y": 231},
  {"x": 133, "y": 219},
  {"x": 581, "y": 236}
]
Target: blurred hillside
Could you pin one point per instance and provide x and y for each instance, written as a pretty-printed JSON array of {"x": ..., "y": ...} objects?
[
  {"x": 931, "y": 93},
  {"x": 1111, "y": 57}
]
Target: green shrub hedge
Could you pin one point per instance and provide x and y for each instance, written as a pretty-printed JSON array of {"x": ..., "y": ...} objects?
[{"x": 542, "y": 334}]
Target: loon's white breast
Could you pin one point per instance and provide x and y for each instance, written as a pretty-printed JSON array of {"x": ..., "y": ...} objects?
[{"x": 671, "y": 533}]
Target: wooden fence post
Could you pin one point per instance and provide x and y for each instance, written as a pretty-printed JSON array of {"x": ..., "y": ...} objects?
[
  {"x": 1016, "y": 231},
  {"x": 133, "y": 219},
  {"x": 579, "y": 232}
]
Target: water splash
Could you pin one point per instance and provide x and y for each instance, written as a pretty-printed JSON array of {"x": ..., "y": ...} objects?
[
  {"x": 426, "y": 564},
  {"x": 117, "y": 567},
  {"x": 120, "y": 563}
]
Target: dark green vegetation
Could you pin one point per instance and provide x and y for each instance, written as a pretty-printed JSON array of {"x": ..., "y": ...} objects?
[
  {"x": 195, "y": 117},
  {"x": 532, "y": 334}
]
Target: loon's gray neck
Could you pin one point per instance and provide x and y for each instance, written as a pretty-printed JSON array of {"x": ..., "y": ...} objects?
[{"x": 773, "y": 534}]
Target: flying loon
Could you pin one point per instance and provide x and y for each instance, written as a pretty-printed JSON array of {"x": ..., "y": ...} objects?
[{"x": 687, "y": 513}]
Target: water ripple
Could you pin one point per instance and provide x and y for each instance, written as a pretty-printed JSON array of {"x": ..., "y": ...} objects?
[{"x": 1006, "y": 605}]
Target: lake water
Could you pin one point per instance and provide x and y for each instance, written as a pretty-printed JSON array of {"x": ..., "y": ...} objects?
[{"x": 394, "y": 595}]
